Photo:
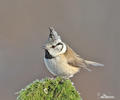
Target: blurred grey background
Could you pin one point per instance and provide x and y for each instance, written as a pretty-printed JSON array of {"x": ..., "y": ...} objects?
[{"x": 90, "y": 27}]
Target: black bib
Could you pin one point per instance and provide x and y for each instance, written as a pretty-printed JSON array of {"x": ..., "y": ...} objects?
[{"x": 48, "y": 55}]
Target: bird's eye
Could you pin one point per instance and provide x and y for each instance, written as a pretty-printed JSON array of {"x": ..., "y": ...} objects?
[
  {"x": 59, "y": 43},
  {"x": 53, "y": 46}
]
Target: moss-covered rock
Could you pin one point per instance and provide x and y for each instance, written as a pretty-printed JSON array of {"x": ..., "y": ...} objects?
[{"x": 49, "y": 89}]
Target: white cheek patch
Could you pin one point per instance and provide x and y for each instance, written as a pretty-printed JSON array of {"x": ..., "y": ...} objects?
[
  {"x": 52, "y": 52},
  {"x": 63, "y": 49},
  {"x": 55, "y": 52},
  {"x": 59, "y": 48}
]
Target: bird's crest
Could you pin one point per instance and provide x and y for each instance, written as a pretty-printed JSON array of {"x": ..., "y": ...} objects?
[{"x": 53, "y": 35}]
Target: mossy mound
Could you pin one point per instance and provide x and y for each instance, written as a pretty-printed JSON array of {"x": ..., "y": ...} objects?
[{"x": 49, "y": 89}]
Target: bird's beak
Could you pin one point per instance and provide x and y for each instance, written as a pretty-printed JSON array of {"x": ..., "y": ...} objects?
[{"x": 43, "y": 47}]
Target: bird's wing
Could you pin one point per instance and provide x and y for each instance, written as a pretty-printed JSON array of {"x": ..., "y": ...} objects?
[{"x": 74, "y": 60}]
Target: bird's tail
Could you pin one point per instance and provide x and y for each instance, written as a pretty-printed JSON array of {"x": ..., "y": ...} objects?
[{"x": 91, "y": 63}]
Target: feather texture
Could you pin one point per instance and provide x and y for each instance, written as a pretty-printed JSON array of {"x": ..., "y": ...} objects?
[
  {"x": 94, "y": 63},
  {"x": 74, "y": 60}
]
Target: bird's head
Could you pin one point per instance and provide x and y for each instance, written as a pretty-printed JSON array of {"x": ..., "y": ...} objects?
[{"x": 55, "y": 46}]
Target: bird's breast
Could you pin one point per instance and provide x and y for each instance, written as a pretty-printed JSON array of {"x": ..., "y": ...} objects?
[{"x": 59, "y": 66}]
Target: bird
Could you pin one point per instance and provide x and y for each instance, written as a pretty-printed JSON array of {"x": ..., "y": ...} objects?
[{"x": 61, "y": 60}]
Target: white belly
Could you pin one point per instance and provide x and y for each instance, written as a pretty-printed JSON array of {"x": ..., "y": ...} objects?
[{"x": 60, "y": 68}]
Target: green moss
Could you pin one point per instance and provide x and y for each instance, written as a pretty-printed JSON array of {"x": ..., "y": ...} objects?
[{"x": 49, "y": 89}]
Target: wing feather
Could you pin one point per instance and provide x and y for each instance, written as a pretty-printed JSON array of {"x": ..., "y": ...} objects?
[{"x": 74, "y": 60}]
